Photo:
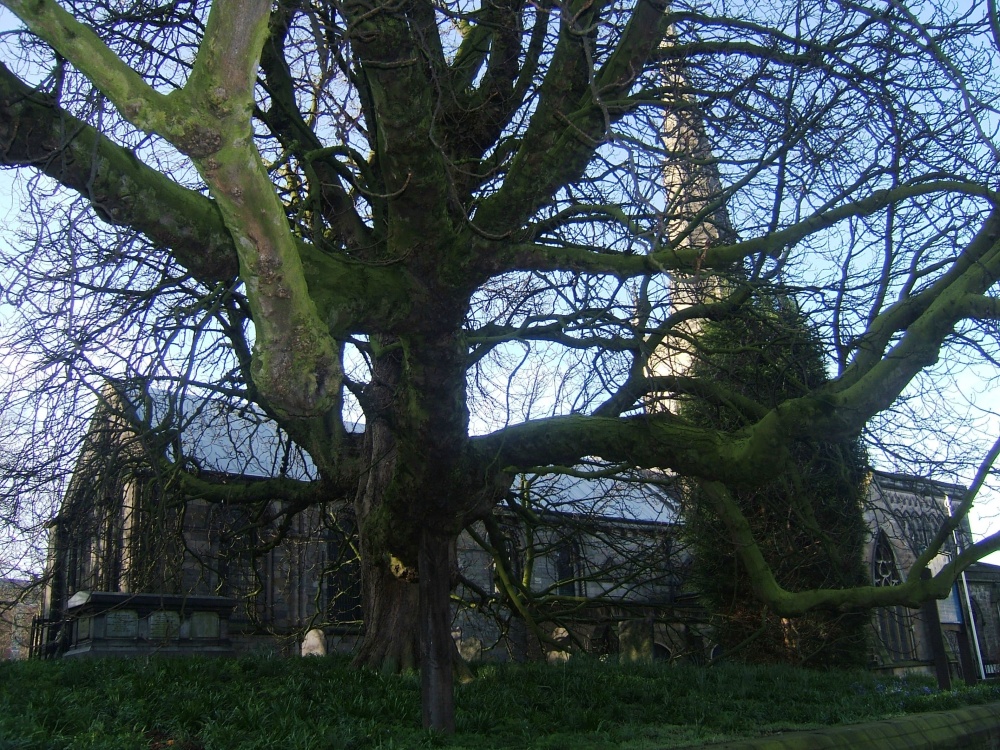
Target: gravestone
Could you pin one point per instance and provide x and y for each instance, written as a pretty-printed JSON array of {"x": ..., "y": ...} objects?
[
  {"x": 635, "y": 639},
  {"x": 106, "y": 623},
  {"x": 314, "y": 643}
]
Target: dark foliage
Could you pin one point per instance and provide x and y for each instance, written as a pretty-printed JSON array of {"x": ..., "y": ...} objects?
[{"x": 809, "y": 520}]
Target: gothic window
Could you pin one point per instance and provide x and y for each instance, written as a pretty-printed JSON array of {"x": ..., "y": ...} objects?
[
  {"x": 894, "y": 624},
  {"x": 343, "y": 575},
  {"x": 511, "y": 558},
  {"x": 884, "y": 570},
  {"x": 238, "y": 564},
  {"x": 240, "y": 582},
  {"x": 919, "y": 527},
  {"x": 566, "y": 557}
]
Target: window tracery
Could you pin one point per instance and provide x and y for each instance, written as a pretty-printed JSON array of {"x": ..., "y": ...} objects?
[{"x": 894, "y": 625}]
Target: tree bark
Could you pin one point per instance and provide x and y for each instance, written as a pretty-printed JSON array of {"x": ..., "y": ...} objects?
[
  {"x": 391, "y": 614},
  {"x": 390, "y": 597},
  {"x": 410, "y": 508},
  {"x": 437, "y": 648}
]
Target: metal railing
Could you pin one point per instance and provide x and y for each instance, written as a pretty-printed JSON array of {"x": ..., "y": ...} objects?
[{"x": 46, "y": 639}]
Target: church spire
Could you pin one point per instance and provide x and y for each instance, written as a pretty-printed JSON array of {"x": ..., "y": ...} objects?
[{"x": 695, "y": 216}]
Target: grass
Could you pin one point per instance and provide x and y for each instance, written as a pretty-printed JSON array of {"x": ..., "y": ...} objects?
[{"x": 260, "y": 702}]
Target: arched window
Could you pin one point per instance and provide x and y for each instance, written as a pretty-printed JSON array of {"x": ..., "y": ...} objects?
[
  {"x": 894, "y": 625},
  {"x": 342, "y": 573},
  {"x": 884, "y": 570},
  {"x": 567, "y": 556}
]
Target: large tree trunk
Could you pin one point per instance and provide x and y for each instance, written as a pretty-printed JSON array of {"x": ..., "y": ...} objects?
[
  {"x": 391, "y": 617},
  {"x": 410, "y": 508},
  {"x": 407, "y": 611},
  {"x": 437, "y": 648},
  {"x": 389, "y": 593}
]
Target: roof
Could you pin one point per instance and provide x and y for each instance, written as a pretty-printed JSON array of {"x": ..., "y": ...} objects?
[
  {"x": 910, "y": 483},
  {"x": 238, "y": 439},
  {"x": 640, "y": 496},
  {"x": 983, "y": 571},
  {"x": 223, "y": 437}
]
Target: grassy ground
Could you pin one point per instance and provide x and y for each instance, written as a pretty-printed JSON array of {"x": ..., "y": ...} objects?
[{"x": 246, "y": 703}]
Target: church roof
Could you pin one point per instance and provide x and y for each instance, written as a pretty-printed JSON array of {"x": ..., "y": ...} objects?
[
  {"x": 223, "y": 437},
  {"x": 638, "y": 496}
]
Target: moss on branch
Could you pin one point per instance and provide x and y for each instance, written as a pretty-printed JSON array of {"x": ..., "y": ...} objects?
[
  {"x": 124, "y": 191},
  {"x": 652, "y": 441}
]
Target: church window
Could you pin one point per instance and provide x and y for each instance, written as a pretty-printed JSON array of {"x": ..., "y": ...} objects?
[
  {"x": 566, "y": 556},
  {"x": 894, "y": 624}
]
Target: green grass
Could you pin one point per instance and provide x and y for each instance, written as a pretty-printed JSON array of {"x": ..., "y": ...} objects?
[{"x": 259, "y": 702}]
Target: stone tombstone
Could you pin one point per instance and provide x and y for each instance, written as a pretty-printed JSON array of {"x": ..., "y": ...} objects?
[
  {"x": 471, "y": 648},
  {"x": 108, "y": 623},
  {"x": 558, "y": 656},
  {"x": 164, "y": 626},
  {"x": 314, "y": 644},
  {"x": 204, "y": 625},
  {"x": 121, "y": 623},
  {"x": 635, "y": 640}
]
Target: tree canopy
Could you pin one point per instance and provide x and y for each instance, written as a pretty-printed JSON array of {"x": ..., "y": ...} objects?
[{"x": 443, "y": 242}]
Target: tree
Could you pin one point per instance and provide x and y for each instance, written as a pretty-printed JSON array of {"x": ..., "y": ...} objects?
[
  {"x": 401, "y": 210},
  {"x": 770, "y": 355}
]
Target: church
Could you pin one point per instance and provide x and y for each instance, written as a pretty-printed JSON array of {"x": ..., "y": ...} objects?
[
  {"x": 588, "y": 560},
  {"x": 568, "y": 564}
]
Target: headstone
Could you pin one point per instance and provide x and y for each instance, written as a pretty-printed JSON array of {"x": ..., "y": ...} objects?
[
  {"x": 121, "y": 623},
  {"x": 164, "y": 626},
  {"x": 107, "y": 623},
  {"x": 470, "y": 649},
  {"x": 557, "y": 656},
  {"x": 314, "y": 644},
  {"x": 635, "y": 640}
]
